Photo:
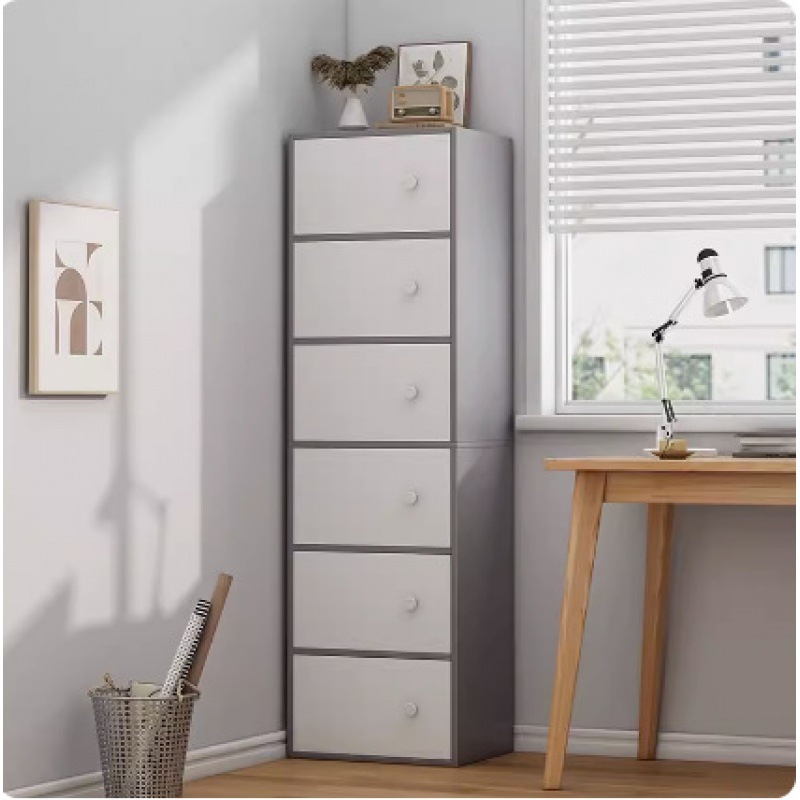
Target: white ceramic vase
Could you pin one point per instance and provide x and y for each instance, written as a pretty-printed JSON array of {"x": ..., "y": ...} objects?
[{"x": 353, "y": 117}]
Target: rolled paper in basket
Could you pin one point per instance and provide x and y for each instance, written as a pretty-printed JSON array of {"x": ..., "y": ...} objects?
[
  {"x": 144, "y": 689},
  {"x": 187, "y": 649}
]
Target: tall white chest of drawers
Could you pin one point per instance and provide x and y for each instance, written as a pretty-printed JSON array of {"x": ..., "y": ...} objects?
[{"x": 400, "y": 573}]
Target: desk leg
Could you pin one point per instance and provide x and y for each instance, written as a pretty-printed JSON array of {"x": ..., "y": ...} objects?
[
  {"x": 656, "y": 587},
  {"x": 587, "y": 506}
]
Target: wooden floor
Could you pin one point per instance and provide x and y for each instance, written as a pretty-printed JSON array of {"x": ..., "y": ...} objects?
[{"x": 515, "y": 775}]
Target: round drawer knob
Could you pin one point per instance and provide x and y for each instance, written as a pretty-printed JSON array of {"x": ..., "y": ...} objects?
[
  {"x": 411, "y": 497},
  {"x": 412, "y": 289},
  {"x": 410, "y": 182},
  {"x": 411, "y": 709},
  {"x": 411, "y": 603},
  {"x": 412, "y": 391}
]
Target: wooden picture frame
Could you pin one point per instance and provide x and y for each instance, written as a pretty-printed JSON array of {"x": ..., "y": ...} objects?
[{"x": 457, "y": 58}]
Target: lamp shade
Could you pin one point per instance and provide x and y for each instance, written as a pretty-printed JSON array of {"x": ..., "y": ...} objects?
[{"x": 721, "y": 297}]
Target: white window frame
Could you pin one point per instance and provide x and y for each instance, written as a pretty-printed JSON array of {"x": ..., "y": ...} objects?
[{"x": 541, "y": 355}]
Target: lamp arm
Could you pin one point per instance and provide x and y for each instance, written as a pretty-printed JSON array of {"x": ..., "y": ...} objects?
[
  {"x": 661, "y": 369},
  {"x": 684, "y": 301},
  {"x": 665, "y": 429},
  {"x": 675, "y": 314}
]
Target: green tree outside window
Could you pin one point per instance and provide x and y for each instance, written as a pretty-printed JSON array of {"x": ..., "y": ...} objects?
[
  {"x": 689, "y": 375},
  {"x": 781, "y": 376}
]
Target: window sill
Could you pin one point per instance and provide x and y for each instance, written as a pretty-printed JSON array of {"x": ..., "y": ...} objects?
[{"x": 647, "y": 423}]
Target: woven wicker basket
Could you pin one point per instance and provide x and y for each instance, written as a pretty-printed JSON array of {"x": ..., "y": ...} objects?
[{"x": 142, "y": 741}]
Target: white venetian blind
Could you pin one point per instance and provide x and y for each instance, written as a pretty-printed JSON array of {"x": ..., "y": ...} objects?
[{"x": 671, "y": 114}]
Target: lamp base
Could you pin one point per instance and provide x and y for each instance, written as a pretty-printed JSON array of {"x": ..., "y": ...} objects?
[
  {"x": 671, "y": 445},
  {"x": 679, "y": 455}
]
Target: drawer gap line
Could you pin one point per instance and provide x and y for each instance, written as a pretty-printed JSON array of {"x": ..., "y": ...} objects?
[
  {"x": 333, "y": 340},
  {"x": 444, "y": 444},
  {"x": 300, "y": 238},
  {"x": 356, "y": 548},
  {"x": 395, "y": 654}
]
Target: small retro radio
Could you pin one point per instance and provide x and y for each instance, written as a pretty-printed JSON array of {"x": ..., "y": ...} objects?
[{"x": 428, "y": 103}]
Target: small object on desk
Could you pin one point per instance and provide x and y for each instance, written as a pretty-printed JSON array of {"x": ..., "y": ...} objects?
[
  {"x": 672, "y": 454},
  {"x": 720, "y": 297},
  {"x": 775, "y": 444},
  {"x": 673, "y": 448},
  {"x": 764, "y": 454},
  {"x": 682, "y": 455},
  {"x": 678, "y": 449}
]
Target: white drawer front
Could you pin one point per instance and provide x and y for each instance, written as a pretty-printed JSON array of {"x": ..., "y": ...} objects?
[
  {"x": 372, "y": 184},
  {"x": 372, "y": 601},
  {"x": 372, "y": 392},
  {"x": 372, "y": 497},
  {"x": 372, "y": 288},
  {"x": 371, "y": 706}
]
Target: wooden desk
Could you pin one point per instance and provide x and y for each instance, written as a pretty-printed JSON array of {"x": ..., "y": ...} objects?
[{"x": 660, "y": 484}]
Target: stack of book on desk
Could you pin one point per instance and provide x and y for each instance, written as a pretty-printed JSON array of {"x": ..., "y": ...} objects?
[{"x": 775, "y": 444}]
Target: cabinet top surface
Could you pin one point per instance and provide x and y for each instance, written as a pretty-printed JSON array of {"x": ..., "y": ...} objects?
[
  {"x": 457, "y": 131},
  {"x": 337, "y": 134},
  {"x": 652, "y": 464}
]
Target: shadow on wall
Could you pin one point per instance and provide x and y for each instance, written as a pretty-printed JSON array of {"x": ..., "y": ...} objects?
[{"x": 119, "y": 512}]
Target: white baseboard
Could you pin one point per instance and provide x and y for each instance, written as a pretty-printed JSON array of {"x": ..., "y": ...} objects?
[
  {"x": 527, "y": 738},
  {"x": 200, "y": 763},
  {"x": 671, "y": 746}
]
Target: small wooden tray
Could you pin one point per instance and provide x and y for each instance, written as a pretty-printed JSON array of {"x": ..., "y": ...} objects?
[{"x": 672, "y": 455}]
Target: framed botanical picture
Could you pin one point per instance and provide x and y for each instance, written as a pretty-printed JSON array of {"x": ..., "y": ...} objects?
[
  {"x": 447, "y": 63},
  {"x": 74, "y": 299}
]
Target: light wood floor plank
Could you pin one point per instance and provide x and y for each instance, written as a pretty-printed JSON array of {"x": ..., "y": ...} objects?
[{"x": 515, "y": 775}]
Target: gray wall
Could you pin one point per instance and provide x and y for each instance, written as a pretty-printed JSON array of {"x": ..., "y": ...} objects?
[
  {"x": 730, "y": 666},
  {"x": 119, "y": 512}
]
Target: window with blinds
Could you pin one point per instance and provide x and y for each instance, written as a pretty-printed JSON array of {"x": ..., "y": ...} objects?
[{"x": 671, "y": 115}]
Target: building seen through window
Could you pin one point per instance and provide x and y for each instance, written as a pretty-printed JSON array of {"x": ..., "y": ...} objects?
[{"x": 780, "y": 265}]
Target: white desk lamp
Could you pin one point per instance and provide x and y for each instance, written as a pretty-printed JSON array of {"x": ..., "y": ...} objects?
[{"x": 720, "y": 297}]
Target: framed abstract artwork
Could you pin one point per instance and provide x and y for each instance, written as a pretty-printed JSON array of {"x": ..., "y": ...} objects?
[
  {"x": 445, "y": 63},
  {"x": 74, "y": 300}
]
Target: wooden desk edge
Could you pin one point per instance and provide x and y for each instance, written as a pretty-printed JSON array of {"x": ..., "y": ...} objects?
[{"x": 773, "y": 466}]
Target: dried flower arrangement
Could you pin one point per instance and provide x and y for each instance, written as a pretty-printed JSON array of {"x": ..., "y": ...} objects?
[{"x": 341, "y": 74}]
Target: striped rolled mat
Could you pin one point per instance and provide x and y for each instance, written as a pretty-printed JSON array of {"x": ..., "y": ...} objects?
[{"x": 187, "y": 649}]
